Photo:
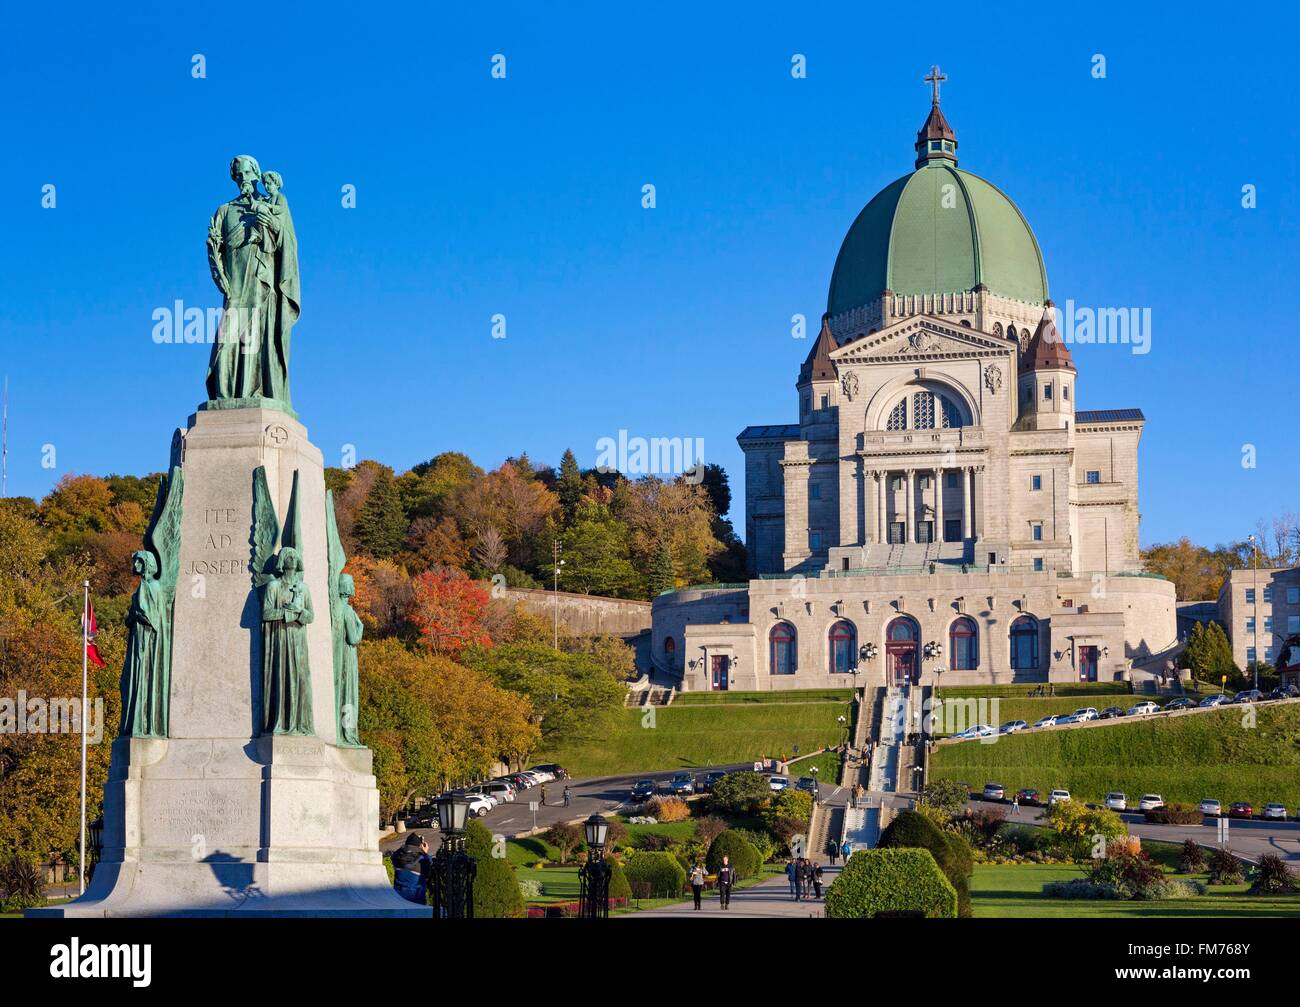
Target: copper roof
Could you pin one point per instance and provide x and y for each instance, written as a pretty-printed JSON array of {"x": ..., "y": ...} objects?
[
  {"x": 818, "y": 367},
  {"x": 1047, "y": 350}
]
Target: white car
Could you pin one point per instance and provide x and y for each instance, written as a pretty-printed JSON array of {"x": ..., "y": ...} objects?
[
  {"x": 491, "y": 798},
  {"x": 1048, "y": 721},
  {"x": 778, "y": 783},
  {"x": 1149, "y": 802},
  {"x": 1275, "y": 811},
  {"x": 978, "y": 731},
  {"x": 1057, "y": 797},
  {"x": 1218, "y": 700},
  {"x": 1142, "y": 709},
  {"x": 1209, "y": 806},
  {"x": 501, "y": 790},
  {"x": 479, "y": 804},
  {"x": 1117, "y": 801},
  {"x": 1084, "y": 714},
  {"x": 1012, "y": 726}
]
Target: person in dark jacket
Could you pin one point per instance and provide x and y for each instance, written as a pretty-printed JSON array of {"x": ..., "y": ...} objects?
[
  {"x": 832, "y": 850},
  {"x": 411, "y": 868},
  {"x": 726, "y": 878},
  {"x": 817, "y": 880},
  {"x": 806, "y": 874}
]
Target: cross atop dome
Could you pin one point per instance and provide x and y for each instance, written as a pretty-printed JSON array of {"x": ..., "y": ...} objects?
[
  {"x": 934, "y": 78},
  {"x": 936, "y": 143}
]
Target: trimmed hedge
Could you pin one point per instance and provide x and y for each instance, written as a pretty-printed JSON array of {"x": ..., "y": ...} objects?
[
  {"x": 891, "y": 881},
  {"x": 1175, "y": 814},
  {"x": 496, "y": 892},
  {"x": 659, "y": 874},
  {"x": 951, "y": 852},
  {"x": 618, "y": 883},
  {"x": 742, "y": 854}
]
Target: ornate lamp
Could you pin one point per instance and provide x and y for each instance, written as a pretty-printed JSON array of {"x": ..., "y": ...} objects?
[
  {"x": 593, "y": 879},
  {"x": 453, "y": 868}
]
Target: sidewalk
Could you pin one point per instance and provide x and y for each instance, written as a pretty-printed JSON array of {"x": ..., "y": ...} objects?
[{"x": 766, "y": 900}]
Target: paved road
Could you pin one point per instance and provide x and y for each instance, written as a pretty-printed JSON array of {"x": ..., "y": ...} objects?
[{"x": 767, "y": 899}]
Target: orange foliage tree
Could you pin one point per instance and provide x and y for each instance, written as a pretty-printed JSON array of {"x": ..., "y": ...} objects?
[{"x": 449, "y": 611}]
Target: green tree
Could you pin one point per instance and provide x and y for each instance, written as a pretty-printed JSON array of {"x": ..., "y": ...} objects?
[
  {"x": 739, "y": 851},
  {"x": 496, "y": 889},
  {"x": 662, "y": 577},
  {"x": 741, "y": 793},
  {"x": 596, "y": 555},
  {"x": 569, "y": 486},
  {"x": 381, "y": 525}
]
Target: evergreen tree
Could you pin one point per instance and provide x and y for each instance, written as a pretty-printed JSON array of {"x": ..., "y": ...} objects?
[
  {"x": 569, "y": 486},
  {"x": 662, "y": 577},
  {"x": 381, "y": 525}
]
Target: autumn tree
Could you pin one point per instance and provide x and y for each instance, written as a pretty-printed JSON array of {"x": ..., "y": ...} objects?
[
  {"x": 569, "y": 485},
  {"x": 448, "y": 611}
]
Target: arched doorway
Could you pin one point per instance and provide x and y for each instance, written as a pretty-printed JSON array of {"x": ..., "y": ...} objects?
[{"x": 902, "y": 639}]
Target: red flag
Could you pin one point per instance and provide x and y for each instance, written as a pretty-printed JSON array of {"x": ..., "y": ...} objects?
[{"x": 92, "y": 652}]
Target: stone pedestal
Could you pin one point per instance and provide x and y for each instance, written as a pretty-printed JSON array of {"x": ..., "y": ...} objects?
[{"x": 215, "y": 820}]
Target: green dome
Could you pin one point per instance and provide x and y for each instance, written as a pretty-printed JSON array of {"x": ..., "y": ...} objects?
[{"x": 908, "y": 241}]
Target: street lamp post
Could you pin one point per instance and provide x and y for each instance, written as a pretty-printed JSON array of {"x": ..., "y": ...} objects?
[
  {"x": 453, "y": 868},
  {"x": 593, "y": 879},
  {"x": 816, "y": 792}
]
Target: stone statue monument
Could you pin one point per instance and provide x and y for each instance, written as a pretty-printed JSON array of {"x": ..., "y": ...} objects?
[
  {"x": 253, "y": 257},
  {"x": 239, "y": 785},
  {"x": 146, "y": 675}
]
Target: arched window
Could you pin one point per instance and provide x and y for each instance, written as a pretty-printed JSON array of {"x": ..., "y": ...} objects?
[
  {"x": 784, "y": 655},
  {"x": 670, "y": 647},
  {"x": 903, "y": 629},
  {"x": 1024, "y": 643},
  {"x": 963, "y": 645},
  {"x": 930, "y": 410},
  {"x": 898, "y": 418},
  {"x": 997, "y": 328},
  {"x": 843, "y": 648}
]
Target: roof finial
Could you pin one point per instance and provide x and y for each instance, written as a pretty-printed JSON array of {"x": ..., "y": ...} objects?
[{"x": 934, "y": 78}]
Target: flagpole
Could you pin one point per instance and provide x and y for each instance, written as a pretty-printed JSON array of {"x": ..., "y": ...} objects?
[{"x": 85, "y": 630}]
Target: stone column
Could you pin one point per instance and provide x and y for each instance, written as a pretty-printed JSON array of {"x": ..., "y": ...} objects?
[
  {"x": 938, "y": 505},
  {"x": 965, "y": 502},
  {"x": 882, "y": 516},
  {"x": 909, "y": 530}
]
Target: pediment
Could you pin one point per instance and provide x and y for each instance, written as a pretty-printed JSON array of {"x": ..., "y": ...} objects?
[{"x": 922, "y": 337}]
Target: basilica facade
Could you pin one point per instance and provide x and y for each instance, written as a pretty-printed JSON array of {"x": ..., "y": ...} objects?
[{"x": 941, "y": 506}]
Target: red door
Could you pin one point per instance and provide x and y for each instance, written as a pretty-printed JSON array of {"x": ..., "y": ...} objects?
[
  {"x": 1087, "y": 664},
  {"x": 721, "y": 665},
  {"x": 902, "y": 663}
]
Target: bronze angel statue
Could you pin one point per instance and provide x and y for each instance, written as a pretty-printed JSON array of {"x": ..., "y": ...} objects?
[
  {"x": 346, "y": 628},
  {"x": 286, "y": 614},
  {"x": 146, "y": 673}
]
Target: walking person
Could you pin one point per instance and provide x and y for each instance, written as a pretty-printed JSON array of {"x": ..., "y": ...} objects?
[
  {"x": 846, "y": 851},
  {"x": 697, "y": 883},
  {"x": 817, "y": 880},
  {"x": 726, "y": 878},
  {"x": 542, "y": 795},
  {"x": 567, "y": 798},
  {"x": 791, "y": 870},
  {"x": 807, "y": 879},
  {"x": 796, "y": 878},
  {"x": 832, "y": 850},
  {"x": 1015, "y": 804}
]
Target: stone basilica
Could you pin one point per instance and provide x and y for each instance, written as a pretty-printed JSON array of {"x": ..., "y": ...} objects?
[{"x": 941, "y": 505}]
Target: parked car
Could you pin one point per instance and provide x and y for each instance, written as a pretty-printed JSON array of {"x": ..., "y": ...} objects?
[
  {"x": 778, "y": 783},
  {"x": 1071, "y": 718},
  {"x": 491, "y": 798},
  {"x": 1085, "y": 713},
  {"x": 1110, "y": 713},
  {"x": 1012, "y": 726},
  {"x": 1117, "y": 800},
  {"x": 556, "y": 771},
  {"x": 1150, "y": 802},
  {"x": 1181, "y": 703},
  {"x": 1284, "y": 692},
  {"x": 994, "y": 792},
  {"x": 1248, "y": 696},
  {"x": 522, "y": 781},
  {"x": 479, "y": 804},
  {"x": 1057, "y": 797},
  {"x": 1276, "y": 812},
  {"x": 643, "y": 790},
  {"x": 1241, "y": 809},
  {"x": 1144, "y": 709},
  {"x": 706, "y": 782},
  {"x": 542, "y": 775},
  {"x": 978, "y": 731},
  {"x": 1027, "y": 795},
  {"x": 808, "y": 784},
  {"x": 1211, "y": 807},
  {"x": 500, "y": 789},
  {"x": 1048, "y": 721},
  {"x": 1216, "y": 700},
  {"x": 681, "y": 784}
]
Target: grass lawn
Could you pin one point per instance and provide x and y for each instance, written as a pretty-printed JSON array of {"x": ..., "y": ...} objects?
[
  {"x": 828, "y": 767},
  {"x": 1183, "y": 758},
  {"x": 691, "y": 736},
  {"x": 1015, "y": 890},
  {"x": 779, "y": 696},
  {"x": 1085, "y": 690}
]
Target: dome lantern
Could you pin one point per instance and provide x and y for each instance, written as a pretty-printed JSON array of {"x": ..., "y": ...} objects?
[{"x": 935, "y": 141}]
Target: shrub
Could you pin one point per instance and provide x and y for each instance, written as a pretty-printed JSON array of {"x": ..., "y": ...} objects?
[
  {"x": 652, "y": 842},
  {"x": 791, "y": 804},
  {"x": 1080, "y": 888},
  {"x": 1170, "y": 889},
  {"x": 763, "y": 842},
  {"x": 880, "y": 881},
  {"x": 655, "y": 875},
  {"x": 1175, "y": 814},
  {"x": 1133, "y": 874},
  {"x": 530, "y": 889},
  {"x": 619, "y": 887},
  {"x": 565, "y": 837},
  {"x": 1077, "y": 827},
  {"x": 950, "y": 851},
  {"x": 22, "y": 885},
  {"x": 1192, "y": 858},
  {"x": 708, "y": 827},
  {"x": 948, "y": 796},
  {"x": 1225, "y": 869},
  {"x": 743, "y": 855},
  {"x": 743, "y": 793},
  {"x": 788, "y": 832},
  {"x": 1272, "y": 876},
  {"x": 668, "y": 809},
  {"x": 986, "y": 824},
  {"x": 496, "y": 892}
]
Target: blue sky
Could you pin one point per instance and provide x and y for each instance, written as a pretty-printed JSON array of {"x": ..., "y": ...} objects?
[{"x": 522, "y": 196}]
